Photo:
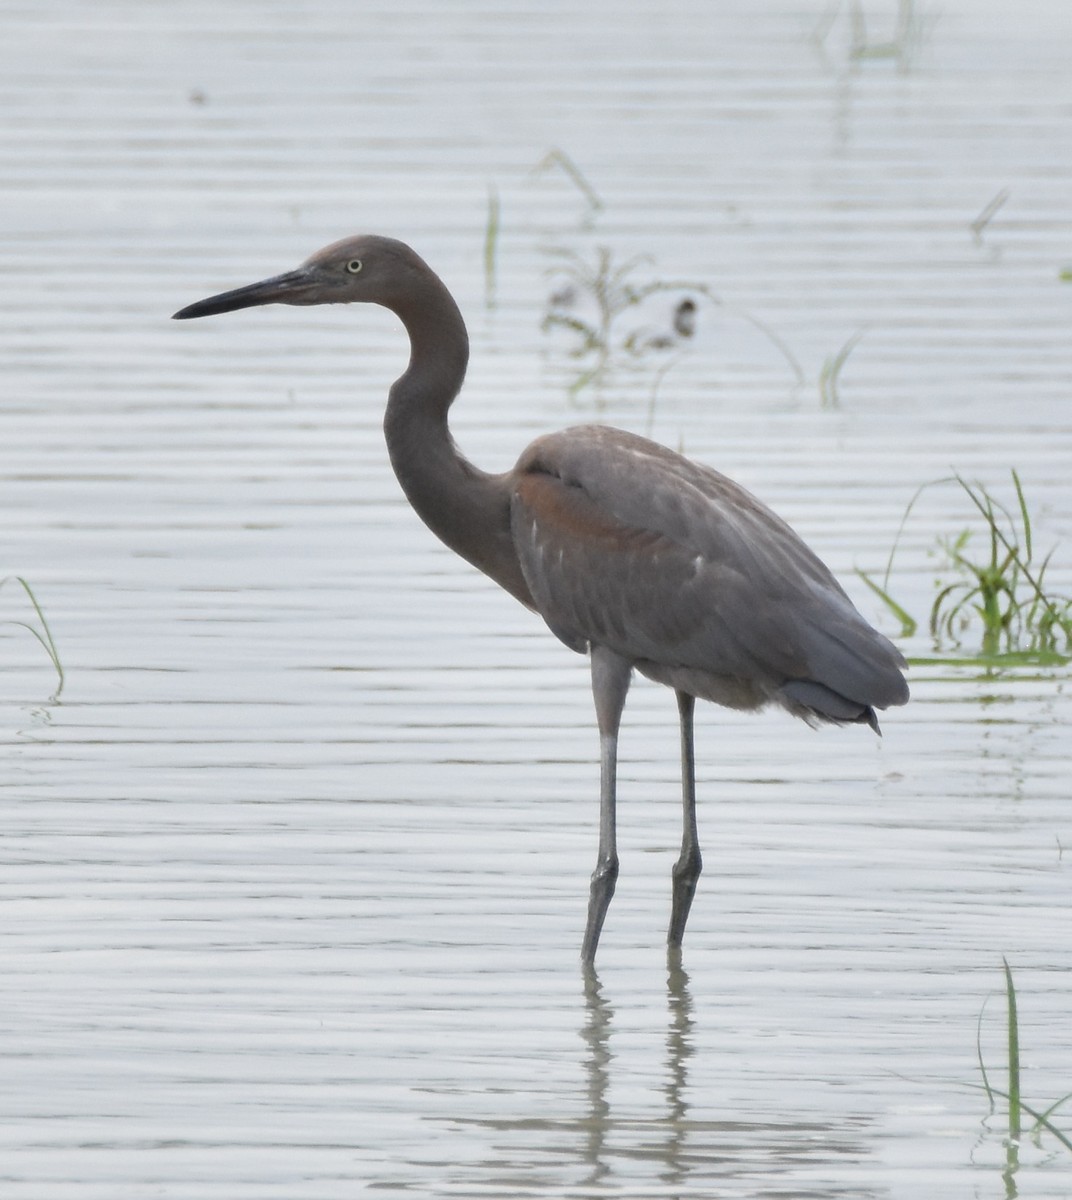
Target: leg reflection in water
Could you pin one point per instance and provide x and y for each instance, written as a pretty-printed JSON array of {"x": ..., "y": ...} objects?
[{"x": 664, "y": 1137}]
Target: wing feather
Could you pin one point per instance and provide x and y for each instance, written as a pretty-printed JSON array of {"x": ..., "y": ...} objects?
[{"x": 677, "y": 568}]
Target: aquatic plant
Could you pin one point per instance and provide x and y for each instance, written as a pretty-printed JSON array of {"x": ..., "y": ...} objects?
[
  {"x": 1002, "y": 591},
  {"x": 1013, "y": 1095},
  {"x": 612, "y": 290},
  {"x": 491, "y": 247},
  {"x": 901, "y": 46},
  {"x": 829, "y": 396},
  {"x": 42, "y": 633},
  {"x": 609, "y": 289},
  {"x": 990, "y": 210},
  {"x": 557, "y": 158},
  {"x": 593, "y": 291}
]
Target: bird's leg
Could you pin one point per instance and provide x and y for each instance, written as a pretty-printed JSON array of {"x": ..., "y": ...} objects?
[
  {"x": 689, "y": 865},
  {"x": 610, "y": 683}
]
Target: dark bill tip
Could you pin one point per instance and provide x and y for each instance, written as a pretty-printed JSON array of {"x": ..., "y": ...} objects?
[{"x": 280, "y": 289}]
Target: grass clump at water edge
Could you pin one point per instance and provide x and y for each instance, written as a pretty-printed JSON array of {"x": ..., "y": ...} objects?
[
  {"x": 1013, "y": 1095},
  {"x": 1001, "y": 593}
]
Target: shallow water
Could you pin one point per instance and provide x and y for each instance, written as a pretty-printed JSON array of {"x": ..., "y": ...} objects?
[{"x": 295, "y": 868}]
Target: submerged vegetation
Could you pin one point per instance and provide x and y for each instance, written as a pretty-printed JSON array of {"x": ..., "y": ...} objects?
[
  {"x": 594, "y": 290},
  {"x": 558, "y": 159},
  {"x": 40, "y": 631},
  {"x": 1013, "y": 1095},
  {"x": 829, "y": 396},
  {"x": 988, "y": 213},
  {"x": 592, "y": 294},
  {"x": 491, "y": 248},
  {"x": 1000, "y": 594},
  {"x": 901, "y": 46}
]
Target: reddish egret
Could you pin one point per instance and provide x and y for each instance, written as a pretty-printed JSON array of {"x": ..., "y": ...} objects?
[{"x": 630, "y": 552}]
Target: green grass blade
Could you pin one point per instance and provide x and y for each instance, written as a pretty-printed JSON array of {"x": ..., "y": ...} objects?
[
  {"x": 979, "y": 1054},
  {"x": 1015, "y": 1103},
  {"x": 1013, "y": 550},
  {"x": 1044, "y": 1123},
  {"x": 43, "y": 635},
  {"x": 491, "y": 247},
  {"x": 942, "y": 618},
  {"x": 1040, "y": 1118},
  {"x": 559, "y": 158},
  {"x": 1052, "y": 1109},
  {"x": 908, "y": 622},
  {"x": 904, "y": 521},
  {"x": 777, "y": 342},
  {"x": 1025, "y": 516},
  {"x": 829, "y": 394}
]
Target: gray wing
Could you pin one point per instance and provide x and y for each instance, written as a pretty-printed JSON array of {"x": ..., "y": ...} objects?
[{"x": 680, "y": 570}]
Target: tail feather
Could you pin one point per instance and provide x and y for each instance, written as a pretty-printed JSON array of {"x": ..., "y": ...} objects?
[{"x": 810, "y": 699}]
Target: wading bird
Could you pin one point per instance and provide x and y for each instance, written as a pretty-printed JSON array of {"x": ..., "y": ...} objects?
[{"x": 631, "y": 553}]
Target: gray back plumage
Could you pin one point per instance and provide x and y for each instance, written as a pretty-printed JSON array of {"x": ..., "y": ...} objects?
[{"x": 677, "y": 568}]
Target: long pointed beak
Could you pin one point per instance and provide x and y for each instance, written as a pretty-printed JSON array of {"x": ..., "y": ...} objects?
[{"x": 294, "y": 287}]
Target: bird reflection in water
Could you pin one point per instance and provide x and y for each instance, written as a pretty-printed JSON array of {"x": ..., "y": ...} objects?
[{"x": 671, "y": 1130}]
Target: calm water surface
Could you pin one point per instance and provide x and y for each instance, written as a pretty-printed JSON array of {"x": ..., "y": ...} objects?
[{"x": 294, "y": 870}]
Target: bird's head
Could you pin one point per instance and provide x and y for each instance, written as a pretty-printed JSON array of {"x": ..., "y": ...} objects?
[{"x": 368, "y": 269}]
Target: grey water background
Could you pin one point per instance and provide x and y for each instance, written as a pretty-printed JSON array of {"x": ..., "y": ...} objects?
[{"x": 294, "y": 870}]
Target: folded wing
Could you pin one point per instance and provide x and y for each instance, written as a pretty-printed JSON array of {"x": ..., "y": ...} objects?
[{"x": 683, "y": 572}]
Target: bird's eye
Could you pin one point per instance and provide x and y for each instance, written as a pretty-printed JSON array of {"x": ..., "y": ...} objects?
[{"x": 354, "y": 265}]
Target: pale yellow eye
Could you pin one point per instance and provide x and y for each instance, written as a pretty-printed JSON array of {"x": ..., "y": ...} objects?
[{"x": 354, "y": 265}]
